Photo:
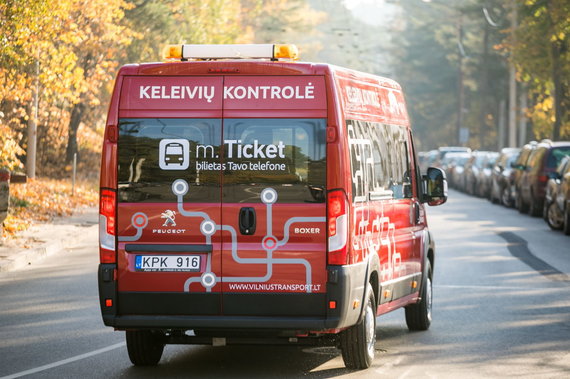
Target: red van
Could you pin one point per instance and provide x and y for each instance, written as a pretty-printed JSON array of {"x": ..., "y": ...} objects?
[{"x": 248, "y": 198}]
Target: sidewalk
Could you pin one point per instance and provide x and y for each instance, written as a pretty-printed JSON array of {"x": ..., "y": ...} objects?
[{"x": 44, "y": 239}]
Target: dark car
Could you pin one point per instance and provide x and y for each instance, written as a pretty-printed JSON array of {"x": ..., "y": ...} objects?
[
  {"x": 500, "y": 185},
  {"x": 556, "y": 202},
  {"x": 519, "y": 168},
  {"x": 541, "y": 166}
]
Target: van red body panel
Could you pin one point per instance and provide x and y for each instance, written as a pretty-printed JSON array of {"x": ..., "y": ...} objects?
[{"x": 229, "y": 163}]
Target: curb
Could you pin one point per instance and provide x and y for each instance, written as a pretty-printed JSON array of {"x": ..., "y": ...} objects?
[
  {"x": 26, "y": 257},
  {"x": 58, "y": 236}
]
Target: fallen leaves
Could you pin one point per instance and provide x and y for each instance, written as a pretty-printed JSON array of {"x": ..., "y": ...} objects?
[{"x": 40, "y": 200}]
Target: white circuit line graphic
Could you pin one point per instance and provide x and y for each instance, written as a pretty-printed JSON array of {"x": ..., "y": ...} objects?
[{"x": 208, "y": 227}]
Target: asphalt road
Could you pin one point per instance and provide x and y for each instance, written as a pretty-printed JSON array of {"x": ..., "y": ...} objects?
[{"x": 501, "y": 309}]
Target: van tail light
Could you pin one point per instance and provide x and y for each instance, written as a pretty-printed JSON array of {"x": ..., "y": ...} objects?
[
  {"x": 337, "y": 227},
  {"x": 107, "y": 226}
]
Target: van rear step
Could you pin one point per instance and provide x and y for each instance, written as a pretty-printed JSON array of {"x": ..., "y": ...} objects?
[{"x": 223, "y": 338}]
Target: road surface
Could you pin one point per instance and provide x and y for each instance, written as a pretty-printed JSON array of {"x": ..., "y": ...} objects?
[{"x": 501, "y": 309}]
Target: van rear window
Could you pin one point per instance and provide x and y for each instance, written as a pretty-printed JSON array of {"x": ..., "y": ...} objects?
[
  {"x": 154, "y": 152},
  {"x": 242, "y": 156},
  {"x": 286, "y": 154}
]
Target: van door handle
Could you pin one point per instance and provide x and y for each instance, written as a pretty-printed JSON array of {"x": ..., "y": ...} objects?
[{"x": 247, "y": 221}]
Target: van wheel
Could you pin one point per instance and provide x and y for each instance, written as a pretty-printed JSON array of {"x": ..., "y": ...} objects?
[
  {"x": 357, "y": 343},
  {"x": 145, "y": 347},
  {"x": 418, "y": 316}
]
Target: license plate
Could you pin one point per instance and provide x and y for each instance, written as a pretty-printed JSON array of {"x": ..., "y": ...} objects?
[{"x": 167, "y": 263}]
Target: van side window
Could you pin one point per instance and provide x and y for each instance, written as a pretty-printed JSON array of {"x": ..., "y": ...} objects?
[{"x": 379, "y": 157}]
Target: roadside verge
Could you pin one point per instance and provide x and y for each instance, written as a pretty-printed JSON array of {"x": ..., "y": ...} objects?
[{"x": 45, "y": 239}]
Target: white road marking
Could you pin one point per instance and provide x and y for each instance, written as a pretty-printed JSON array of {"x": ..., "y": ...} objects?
[{"x": 65, "y": 361}]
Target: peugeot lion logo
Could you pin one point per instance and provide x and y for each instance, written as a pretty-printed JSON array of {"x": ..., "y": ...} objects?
[{"x": 169, "y": 216}]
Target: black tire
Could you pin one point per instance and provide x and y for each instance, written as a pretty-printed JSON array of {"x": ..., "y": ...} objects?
[
  {"x": 357, "y": 343},
  {"x": 553, "y": 217},
  {"x": 418, "y": 316},
  {"x": 566, "y": 227},
  {"x": 506, "y": 197},
  {"x": 521, "y": 206},
  {"x": 533, "y": 208},
  {"x": 145, "y": 347},
  {"x": 545, "y": 207}
]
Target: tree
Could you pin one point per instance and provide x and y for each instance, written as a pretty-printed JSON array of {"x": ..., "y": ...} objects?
[
  {"x": 542, "y": 56},
  {"x": 79, "y": 45},
  {"x": 444, "y": 59},
  {"x": 72, "y": 40},
  {"x": 97, "y": 40}
]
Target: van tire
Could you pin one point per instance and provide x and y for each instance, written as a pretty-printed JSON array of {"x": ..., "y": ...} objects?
[
  {"x": 357, "y": 343},
  {"x": 145, "y": 347},
  {"x": 418, "y": 316}
]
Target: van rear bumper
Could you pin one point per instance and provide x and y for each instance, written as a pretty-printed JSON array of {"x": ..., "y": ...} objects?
[
  {"x": 290, "y": 312},
  {"x": 220, "y": 322}
]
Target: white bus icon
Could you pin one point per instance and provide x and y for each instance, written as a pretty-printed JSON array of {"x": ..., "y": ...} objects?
[{"x": 174, "y": 154}]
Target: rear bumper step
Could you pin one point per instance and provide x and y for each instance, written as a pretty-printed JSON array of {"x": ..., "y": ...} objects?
[{"x": 327, "y": 340}]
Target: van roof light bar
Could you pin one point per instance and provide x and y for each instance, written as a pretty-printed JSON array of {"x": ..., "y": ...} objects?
[{"x": 238, "y": 51}]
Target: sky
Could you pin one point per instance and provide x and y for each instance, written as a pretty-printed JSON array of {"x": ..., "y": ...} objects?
[{"x": 373, "y": 12}]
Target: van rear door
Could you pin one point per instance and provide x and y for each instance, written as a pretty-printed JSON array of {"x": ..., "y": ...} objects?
[
  {"x": 273, "y": 198},
  {"x": 274, "y": 209},
  {"x": 168, "y": 205},
  {"x": 221, "y": 198}
]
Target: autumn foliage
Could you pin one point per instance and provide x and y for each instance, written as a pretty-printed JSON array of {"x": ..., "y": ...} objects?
[
  {"x": 64, "y": 54},
  {"x": 42, "y": 199}
]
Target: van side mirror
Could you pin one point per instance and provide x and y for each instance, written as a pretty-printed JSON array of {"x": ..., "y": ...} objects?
[{"x": 435, "y": 187}]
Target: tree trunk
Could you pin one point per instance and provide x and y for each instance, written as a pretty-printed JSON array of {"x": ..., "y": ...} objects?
[
  {"x": 558, "y": 92},
  {"x": 75, "y": 120},
  {"x": 484, "y": 89},
  {"x": 556, "y": 50}
]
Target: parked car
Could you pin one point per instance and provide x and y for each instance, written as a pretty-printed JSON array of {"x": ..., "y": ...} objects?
[
  {"x": 557, "y": 199},
  {"x": 541, "y": 166},
  {"x": 444, "y": 150},
  {"x": 429, "y": 160},
  {"x": 473, "y": 168},
  {"x": 455, "y": 167},
  {"x": 485, "y": 175},
  {"x": 519, "y": 168},
  {"x": 502, "y": 169}
]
